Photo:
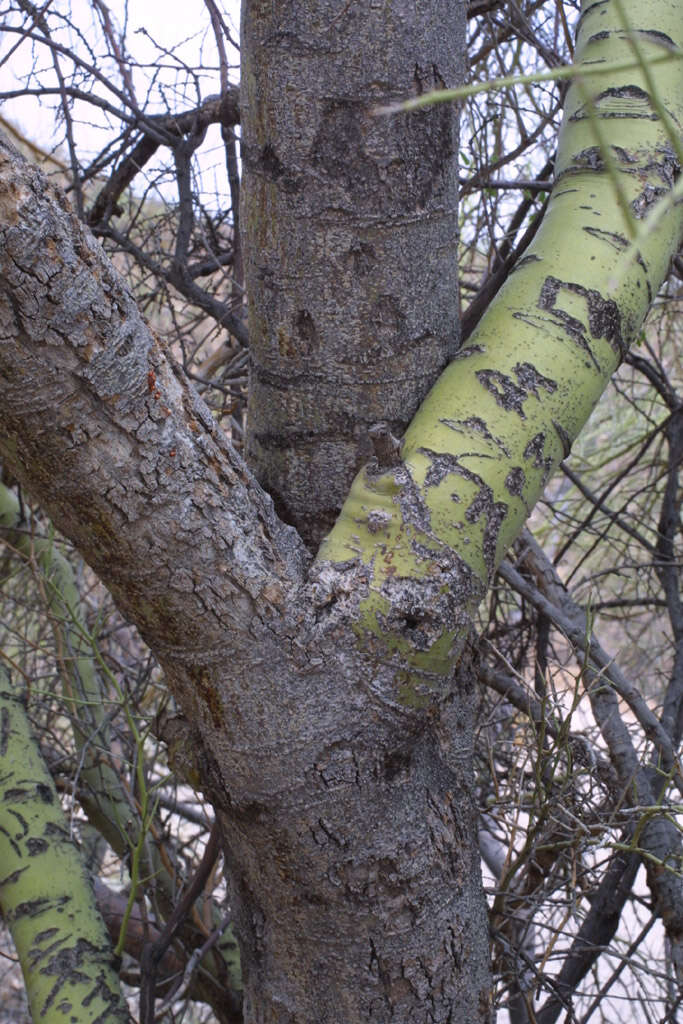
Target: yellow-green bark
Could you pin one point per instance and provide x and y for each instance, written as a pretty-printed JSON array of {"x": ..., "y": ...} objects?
[
  {"x": 103, "y": 797},
  {"x": 45, "y": 894},
  {"x": 481, "y": 448}
]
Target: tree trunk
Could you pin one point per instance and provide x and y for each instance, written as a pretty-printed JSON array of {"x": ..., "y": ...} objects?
[
  {"x": 334, "y": 730},
  {"x": 348, "y": 818},
  {"x": 350, "y": 228},
  {"x": 350, "y": 231},
  {"x": 357, "y": 881}
]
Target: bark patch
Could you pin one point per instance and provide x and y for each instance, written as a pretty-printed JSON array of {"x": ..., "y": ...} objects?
[
  {"x": 475, "y": 425},
  {"x": 483, "y": 504},
  {"x": 604, "y": 318},
  {"x": 613, "y": 238},
  {"x": 535, "y": 452},
  {"x": 208, "y": 693},
  {"x": 626, "y": 101},
  {"x": 515, "y": 481},
  {"x": 398, "y": 164},
  {"x": 511, "y": 395},
  {"x": 306, "y": 332},
  {"x": 414, "y": 509}
]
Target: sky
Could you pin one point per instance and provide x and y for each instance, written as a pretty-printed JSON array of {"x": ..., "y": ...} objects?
[
  {"x": 187, "y": 41},
  {"x": 167, "y": 38}
]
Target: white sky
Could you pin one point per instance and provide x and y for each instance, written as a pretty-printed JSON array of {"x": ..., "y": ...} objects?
[
  {"x": 163, "y": 80},
  {"x": 180, "y": 26}
]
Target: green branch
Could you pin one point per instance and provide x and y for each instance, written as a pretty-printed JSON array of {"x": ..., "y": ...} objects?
[
  {"x": 426, "y": 536},
  {"x": 45, "y": 893}
]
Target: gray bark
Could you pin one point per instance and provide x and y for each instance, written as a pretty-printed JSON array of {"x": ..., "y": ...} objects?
[
  {"x": 348, "y": 819},
  {"x": 347, "y": 814},
  {"x": 350, "y": 233}
]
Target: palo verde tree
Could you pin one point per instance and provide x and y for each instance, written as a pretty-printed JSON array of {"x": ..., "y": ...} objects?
[{"x": 313, "y": 600}]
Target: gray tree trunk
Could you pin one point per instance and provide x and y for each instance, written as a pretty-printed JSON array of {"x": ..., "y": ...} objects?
[
  {"x": 350, "y": 229},
  {"x": 349, "y": 223},
  {"x": 348, "y": 818}
]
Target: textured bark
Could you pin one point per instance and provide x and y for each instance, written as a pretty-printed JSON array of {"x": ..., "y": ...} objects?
[
  {"x": 427, "y": 535},
  {"x": 60, "y": 939},
  {"x": 350, "y": 229},
  {"x": 367, "y": 905},
  {"x": 101, "y": 791},
  {"x": 348, "y": 820},
  {"x": 334, "y": 732}
]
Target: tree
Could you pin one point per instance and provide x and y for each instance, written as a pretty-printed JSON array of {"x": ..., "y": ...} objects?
[{"x": 329, "y": 692}]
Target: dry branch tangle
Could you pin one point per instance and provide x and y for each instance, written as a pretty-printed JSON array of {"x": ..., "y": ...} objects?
[{"x": 335, "y": 739}]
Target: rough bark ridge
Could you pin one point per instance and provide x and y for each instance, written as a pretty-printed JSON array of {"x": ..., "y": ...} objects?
[
  {"x": 348, "y": 819},
  {"x": 350, "y": 232}
]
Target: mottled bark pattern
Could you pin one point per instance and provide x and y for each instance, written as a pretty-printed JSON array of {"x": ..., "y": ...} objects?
[
  {"x": 382, "y": 923},
  {"x": 333, "y": 729},
  {"x": 61, "y": 942},
  {"x": 350, "y": 228},
  {"x": 348, "y": 819},
  {"x": 533, "y": 368}
]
